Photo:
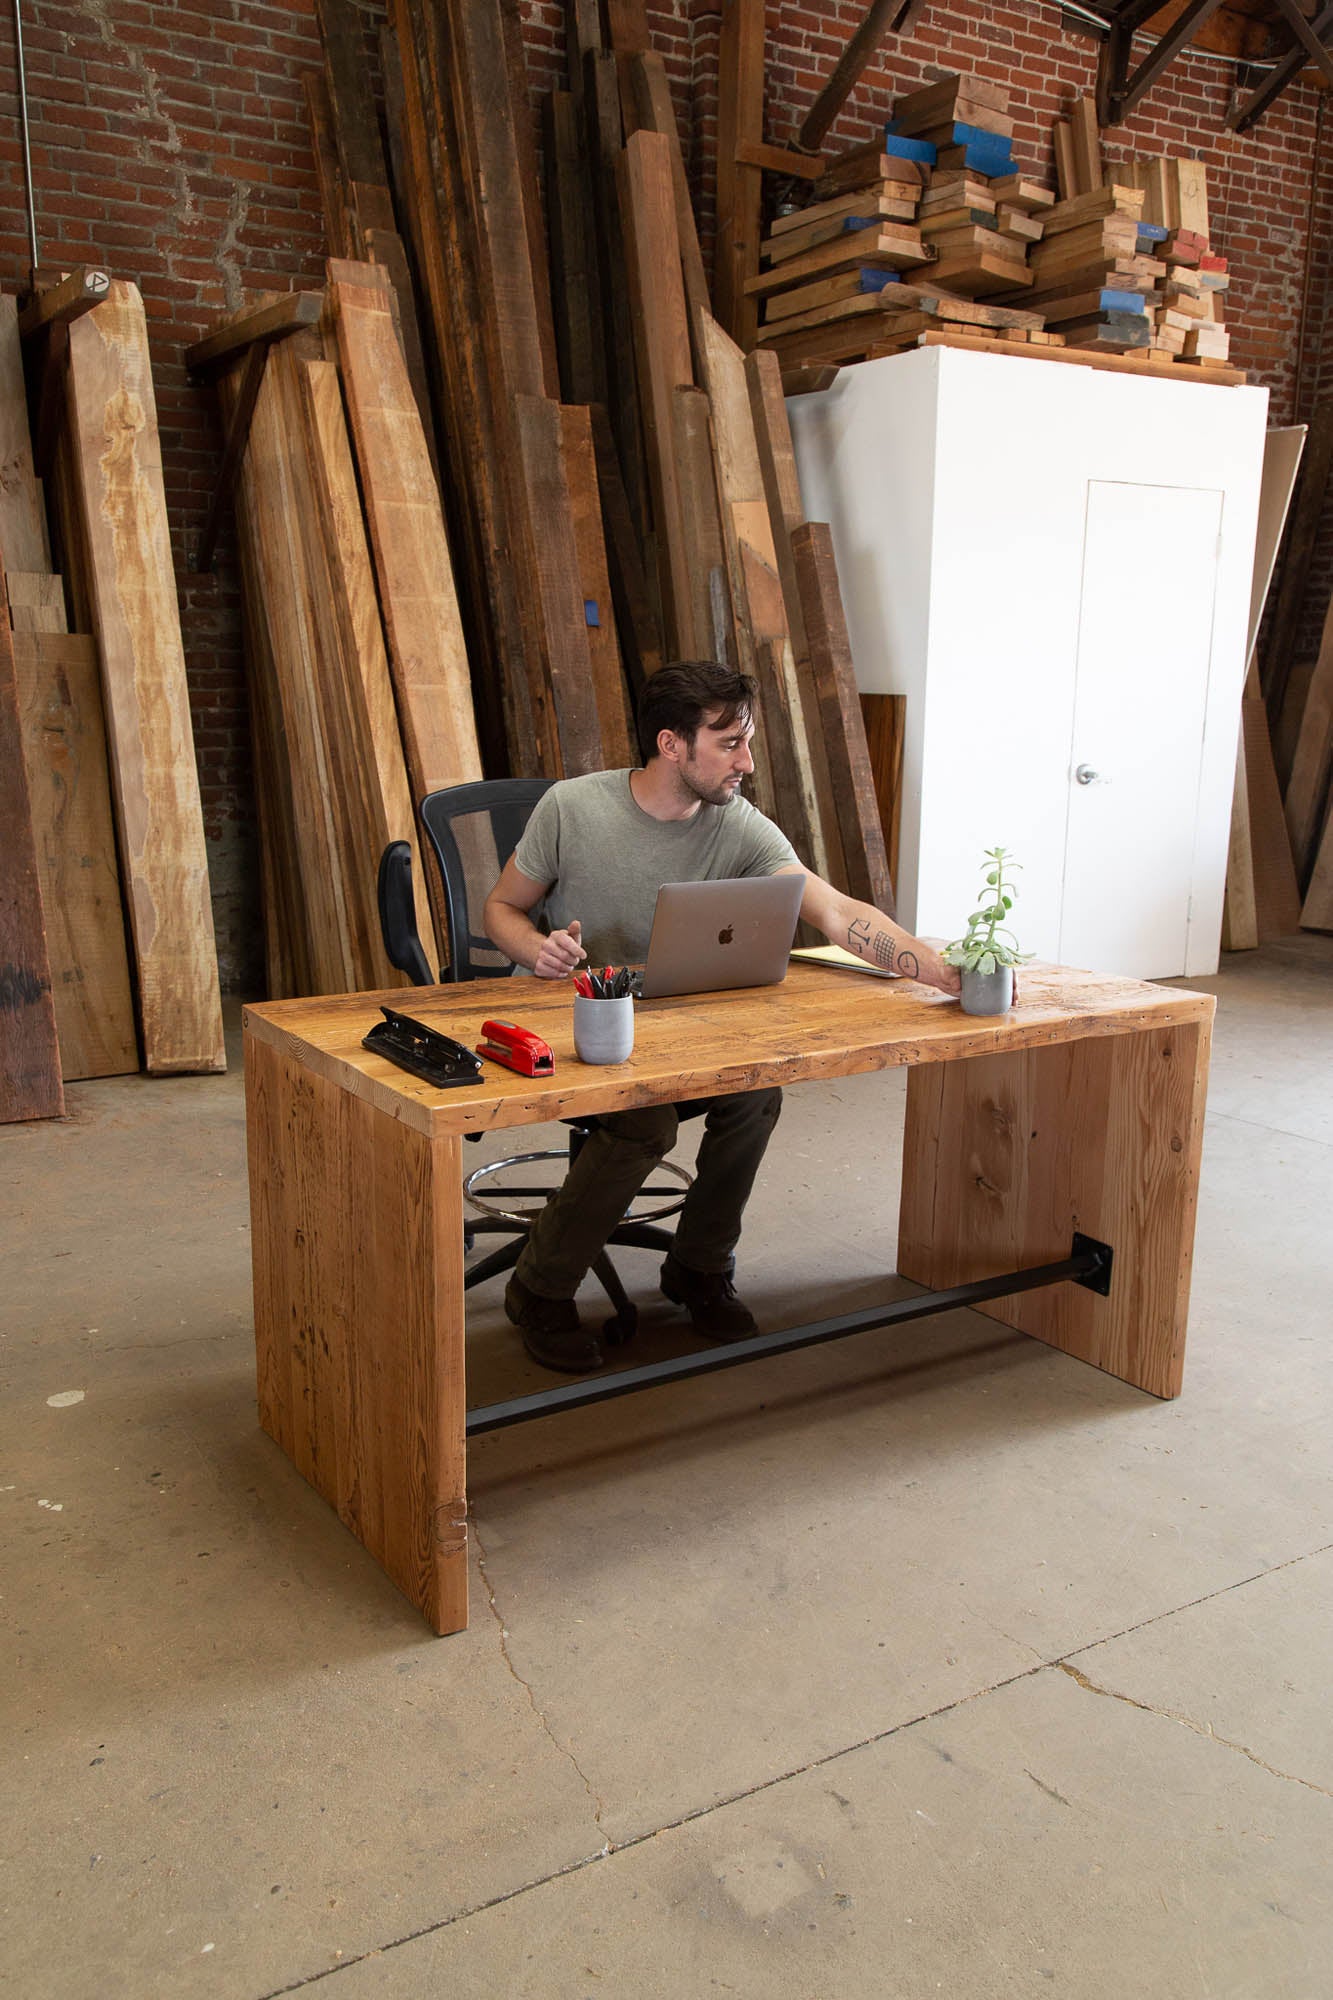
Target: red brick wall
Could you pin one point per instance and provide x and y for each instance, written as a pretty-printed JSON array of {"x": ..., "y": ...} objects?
[{"x": 169, "y": 143}]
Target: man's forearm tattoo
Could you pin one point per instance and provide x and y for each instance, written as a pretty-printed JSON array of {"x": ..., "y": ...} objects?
[{"x": 883, "y": 949}]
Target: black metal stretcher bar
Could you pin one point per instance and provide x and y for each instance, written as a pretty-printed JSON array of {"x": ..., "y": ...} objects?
[{"x": 1088, "y": 1264}]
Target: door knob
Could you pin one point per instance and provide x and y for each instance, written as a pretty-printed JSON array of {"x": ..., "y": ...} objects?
[{"x": 1086, "y": 775}]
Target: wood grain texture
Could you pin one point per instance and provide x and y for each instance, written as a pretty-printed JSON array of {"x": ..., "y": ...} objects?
[
  {"x": 1317, "y": 909},
  {"x": 1240, "y": 922},
  {"x": 375, "y": 794},
  {"x": 575, "y": 281},
  {"x": 1277, "y": 898},
  {"x": 155, "y": 782},
  {"x": 657, "y": 113},
  {"x": 357, "y": 1234},
  {"x": 30, "y": 1084},
  {"x": 1082, "y": 1108},
  {"x": 1312, "y": 757},
  {"x": 662, "y": 340},
  {"x": 636, "y": 619},
  {"x": 864, "y": 852},
  {"x": 885, "y": 718},
  {"x": 782, "y": 490},
  {"x": 297, "y": 768},
  {"x": 550, "y": 553},
  {"x": 740, "y": 118},
  {"x": 817, "y": 1023},
  {"x": 614, "y": 719},
  {"x": 22, "y": 527},
  {"x": 64, "y": 749},
  {"x": 402, "y": 501},
  {"x": 756, "y": 592},
  {"x": 36, "y": 601},
  {"x": 1004, "y": 1158}
]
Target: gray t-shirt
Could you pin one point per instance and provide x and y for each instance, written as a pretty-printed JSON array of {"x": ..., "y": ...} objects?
[{"x": 605, "y": 858}]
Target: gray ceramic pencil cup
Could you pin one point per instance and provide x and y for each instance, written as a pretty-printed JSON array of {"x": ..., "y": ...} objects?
[{"x": 603, "y": 1029}]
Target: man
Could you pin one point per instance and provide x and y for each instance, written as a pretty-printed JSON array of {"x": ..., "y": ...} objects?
[{"x": 595, "y": 852}]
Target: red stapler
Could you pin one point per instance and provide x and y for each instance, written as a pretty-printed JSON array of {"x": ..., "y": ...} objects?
[{"x": 517, "y": 1048}]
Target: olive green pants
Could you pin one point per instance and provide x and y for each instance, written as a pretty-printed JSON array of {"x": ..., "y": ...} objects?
[{"x": 614, "y": 1162}]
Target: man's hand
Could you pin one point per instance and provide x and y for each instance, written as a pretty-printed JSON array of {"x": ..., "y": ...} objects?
[{"x": 561, "y": 953}]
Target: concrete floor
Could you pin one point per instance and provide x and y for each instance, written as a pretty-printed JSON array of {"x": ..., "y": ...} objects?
[{"x": 928, "y": 1664}]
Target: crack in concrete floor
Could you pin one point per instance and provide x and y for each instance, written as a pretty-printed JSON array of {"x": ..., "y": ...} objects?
[
  {"x": 1187, "y": 1722},
  {"x": 598, "y": 1803}
]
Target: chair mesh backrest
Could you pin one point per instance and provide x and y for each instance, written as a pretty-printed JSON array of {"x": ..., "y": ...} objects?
[{"x": 473, "y": 830}]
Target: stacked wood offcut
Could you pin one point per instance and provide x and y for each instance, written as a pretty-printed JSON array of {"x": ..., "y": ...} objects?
[
  {"x": 912, "y": 234},
  {"x": 99, "y": 796},
  {"x": 618, "y": 478},
  {"x": 1188, "y": 316},
  {"x": 1093, "y": 274}
]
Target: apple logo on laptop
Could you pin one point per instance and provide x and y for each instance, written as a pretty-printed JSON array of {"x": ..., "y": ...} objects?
[{"x": 725, "y": 937}]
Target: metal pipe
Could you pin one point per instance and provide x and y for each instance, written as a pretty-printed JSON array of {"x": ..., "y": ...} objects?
[
  {"x": 1090, "y": 1265},
  {"x": 27, "y": 150}
]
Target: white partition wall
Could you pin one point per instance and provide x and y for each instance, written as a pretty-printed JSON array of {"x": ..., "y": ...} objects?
[{"x": 1053, "y": 564}]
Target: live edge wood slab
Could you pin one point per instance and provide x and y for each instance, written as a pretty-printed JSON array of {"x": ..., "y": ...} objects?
[{"x": 1083, "y": 1109}]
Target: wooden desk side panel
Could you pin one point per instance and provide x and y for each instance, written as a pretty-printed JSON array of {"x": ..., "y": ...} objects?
[
  {"x": 1004, "y": 1157},
  {"x": 358, "y": 1287}
]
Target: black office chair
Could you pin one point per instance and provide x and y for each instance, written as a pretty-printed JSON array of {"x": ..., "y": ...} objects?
[{"x": 473, "y": 830}]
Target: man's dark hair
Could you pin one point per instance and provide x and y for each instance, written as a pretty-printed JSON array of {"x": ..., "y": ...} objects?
[{"x": 679, "y": 696}]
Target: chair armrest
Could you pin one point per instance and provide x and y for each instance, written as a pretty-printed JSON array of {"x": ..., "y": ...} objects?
[{"x": 398, "y": 917}]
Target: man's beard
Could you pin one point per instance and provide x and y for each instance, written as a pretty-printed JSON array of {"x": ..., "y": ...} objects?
[{"x": 721, "y": 795}]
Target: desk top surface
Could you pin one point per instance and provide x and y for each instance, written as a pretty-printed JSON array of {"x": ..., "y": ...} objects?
[{"x": 820, "y": 1022}]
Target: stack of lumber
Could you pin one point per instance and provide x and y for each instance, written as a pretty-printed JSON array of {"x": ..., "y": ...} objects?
[
  {"x": 359, "y": 686},
  {"x": 979, "y": 239},
  {"x": 939, "y": 198},
  {"x": 99, "y": 781},
  {"x": 1187, "y": 322},
  {"x": 1091, "y": 274},
  {"x": 618, "y": 476}
]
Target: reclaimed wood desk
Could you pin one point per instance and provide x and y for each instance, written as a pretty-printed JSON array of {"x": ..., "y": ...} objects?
[{"x": 1082, "y": 1110}]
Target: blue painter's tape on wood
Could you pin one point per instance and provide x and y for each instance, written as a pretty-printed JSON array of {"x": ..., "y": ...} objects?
[
  {"x": 875, "y": 281},
  {"x": 1123, "y": 302},
  {"x": 590, "y": 612},
  {"x": 909, "y": 149},
  {"x": 1152, "y": 232}
]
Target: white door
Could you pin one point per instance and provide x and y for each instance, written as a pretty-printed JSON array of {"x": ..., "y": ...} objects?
[{"x": 1141, "y": 691}]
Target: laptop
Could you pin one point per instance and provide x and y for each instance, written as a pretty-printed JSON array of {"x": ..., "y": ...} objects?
[{"x": 708, "y": 936}]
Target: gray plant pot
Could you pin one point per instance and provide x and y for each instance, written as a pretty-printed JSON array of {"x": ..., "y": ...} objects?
[
  {"x": 988, "y": 992},
  {"x": 603, "y": 1029}
]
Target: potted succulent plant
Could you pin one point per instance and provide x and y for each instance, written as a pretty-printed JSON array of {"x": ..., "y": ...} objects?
[{"x": 987, "y": 952}]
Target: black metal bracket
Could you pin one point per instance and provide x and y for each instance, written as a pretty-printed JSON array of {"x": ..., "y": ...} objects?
[{"x": 1088, "y": 1264}]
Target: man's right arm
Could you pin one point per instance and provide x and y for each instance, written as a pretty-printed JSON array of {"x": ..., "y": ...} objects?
[{"x": 508, "y": 924}]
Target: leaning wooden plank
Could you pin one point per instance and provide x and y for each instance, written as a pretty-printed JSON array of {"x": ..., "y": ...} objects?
[
  {"x": 756, "y": 587},
  {"x": 1312, "y": 760},
  {"x": 844, "y": 731},
  {"x": 740, "y": 117},
  {"x": 605, "y": 145},
  {"x": 657, "y": 293},
  {"x": 29, "y": 1056},
  {"x": 613, "y": 709},
  {"x": 636, "y": 620},
  {"x": 22, "y": 529},
  {"x": 549, "y": 553},
  {"x": 1317, "y": 909},
  {"x": 885, "y": 718},
  {"x": 155, "y": 781},
  {"x": 300, "y": 812},
  {"x": 64, "y": 748},
  {"x": 658, "y": 114},
  {"x": 426, "y": 648},
  {"x": 1087, "y": 144},
  {"x": 511, "y": 257},
  {"x": 782, "y": 490},
  {"x": 1240, "y": 918},
  {"x": 575, "y": 284},
  {"x": 1277, "y": 898},
  {"x": 693, "y": 444},
  {"x": 361, "y": 686},
  {"x": 473, "y": 417}
]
